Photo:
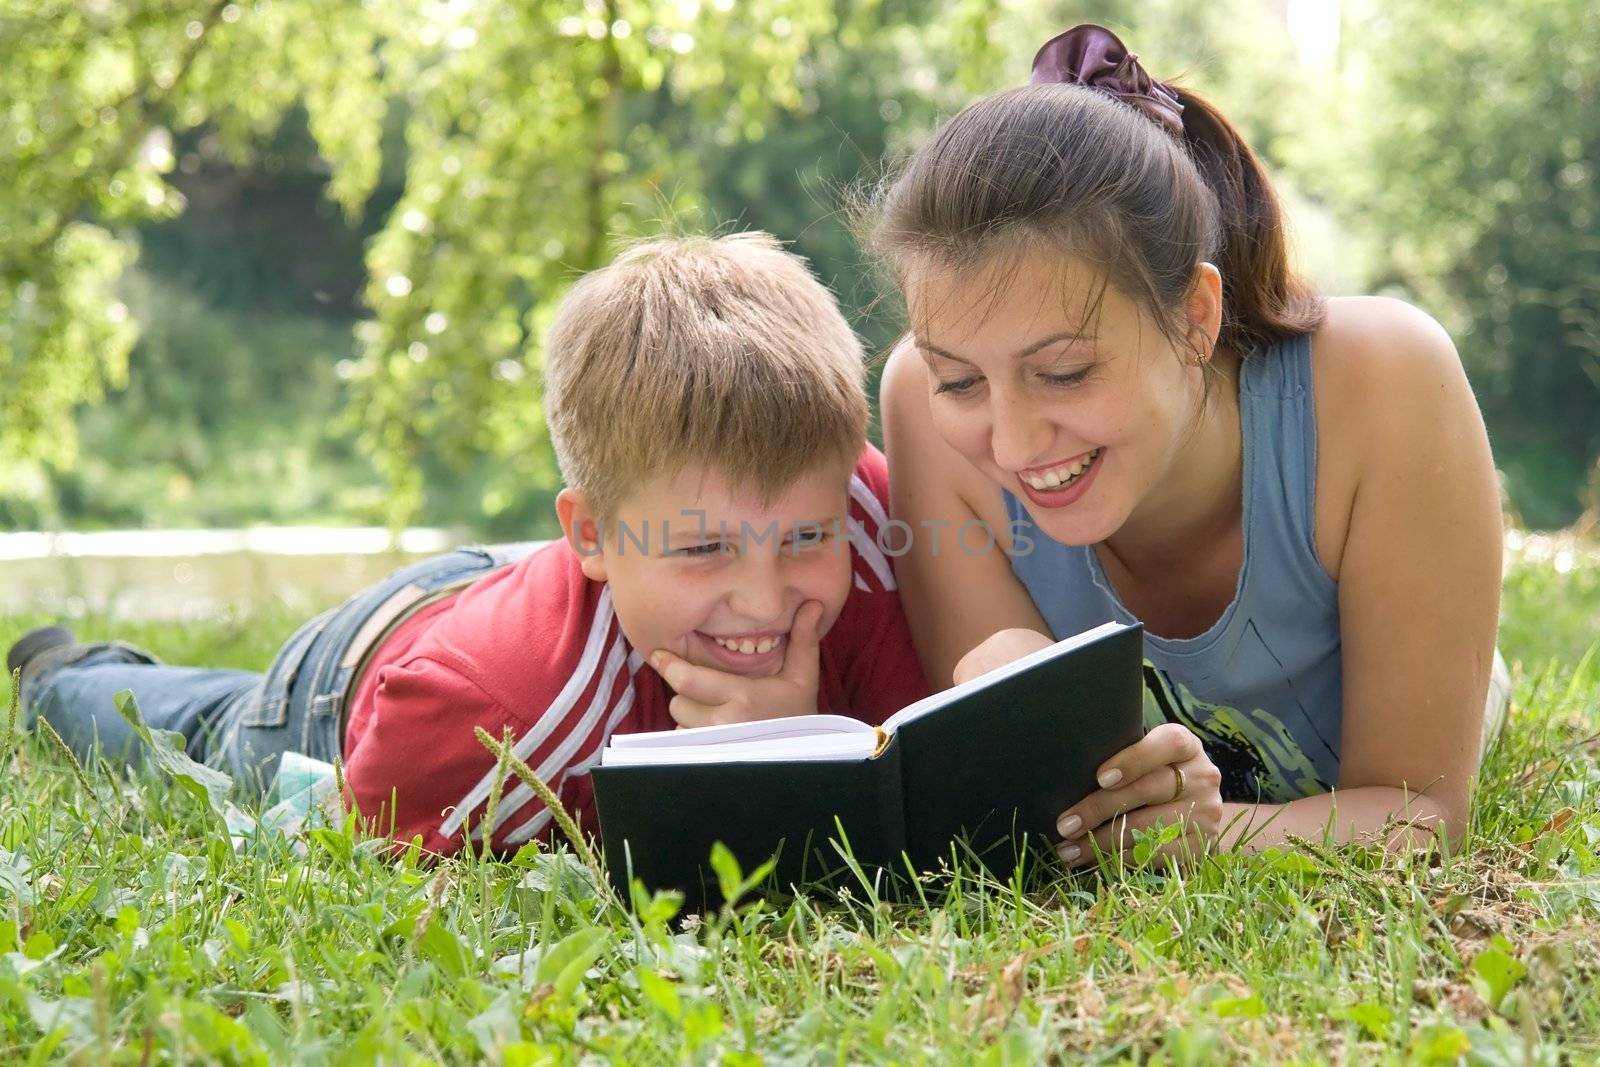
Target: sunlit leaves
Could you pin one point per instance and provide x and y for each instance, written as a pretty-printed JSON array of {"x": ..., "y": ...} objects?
[
  {"x": 523, "y": 167},
  {"x": 1478, "y": 185},
  {"x": 64, "y": 336}
]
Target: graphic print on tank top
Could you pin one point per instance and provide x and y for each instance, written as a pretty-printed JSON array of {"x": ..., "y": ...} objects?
[{"x": 1256, "y": 751}]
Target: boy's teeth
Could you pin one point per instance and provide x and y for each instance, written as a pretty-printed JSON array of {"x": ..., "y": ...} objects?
[
  {"x": 1062, "y": 475},
  {"x": 747, "y": 646}
]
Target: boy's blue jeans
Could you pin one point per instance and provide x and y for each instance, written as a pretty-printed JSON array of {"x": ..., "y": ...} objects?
[{"x": 243, "y": 721}]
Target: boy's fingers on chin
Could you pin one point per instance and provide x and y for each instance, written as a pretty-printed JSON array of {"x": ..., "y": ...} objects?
[
  {"x": 687, "y": 712},
  {"x": 802, "y": 658},
  {"x": 809, "y": 622},
  {"x": 698, "y": 683}
]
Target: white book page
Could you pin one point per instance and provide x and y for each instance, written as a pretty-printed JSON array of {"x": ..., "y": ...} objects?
[
  {"x": 912, "y": 712},
  {"x": 742, "y": 732},
  {"x": 855, "y": 745}
]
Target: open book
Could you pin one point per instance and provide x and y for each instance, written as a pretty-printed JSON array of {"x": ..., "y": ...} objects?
[{"x": 993, "y": 761}]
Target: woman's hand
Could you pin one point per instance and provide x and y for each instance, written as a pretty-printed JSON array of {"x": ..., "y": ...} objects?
[
  {"x": 1164, "y": 778},
  {"x": 997, "y": 650}
]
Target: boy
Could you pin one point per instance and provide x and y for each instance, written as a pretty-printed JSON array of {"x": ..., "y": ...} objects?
[{"x": 720, "y": 562}]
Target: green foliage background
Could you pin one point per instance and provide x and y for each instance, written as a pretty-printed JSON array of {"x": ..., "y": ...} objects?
[{"x": 291, "y": 260}]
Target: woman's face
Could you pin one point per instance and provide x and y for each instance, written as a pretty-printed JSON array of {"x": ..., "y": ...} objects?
[{"x": 1081, "y": 411}]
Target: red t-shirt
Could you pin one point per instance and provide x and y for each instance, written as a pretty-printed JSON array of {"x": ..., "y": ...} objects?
[{"x": 535, "y": 646}]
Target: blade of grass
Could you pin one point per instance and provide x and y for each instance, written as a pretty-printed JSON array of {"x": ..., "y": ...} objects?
[{"x": 563, "y": 818}]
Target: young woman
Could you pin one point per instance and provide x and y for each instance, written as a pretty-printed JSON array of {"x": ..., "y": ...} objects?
[{"x": 1111, "y": 365}]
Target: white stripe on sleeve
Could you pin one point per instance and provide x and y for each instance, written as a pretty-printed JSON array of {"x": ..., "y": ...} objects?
[
  {"x": 862, "y": 494},
  {"x": 553, "y": 716},
  {"x": 866, "y": 545},
  {"x": 871, "y": 554},
  {"x": 554, "y": 766},
  {"x": 534, "y": 825}
]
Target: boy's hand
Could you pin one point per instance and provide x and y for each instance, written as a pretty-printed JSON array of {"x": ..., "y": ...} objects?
[{"x": 709, "y": 697}]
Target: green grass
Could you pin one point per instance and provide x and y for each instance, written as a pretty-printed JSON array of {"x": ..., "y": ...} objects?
[{"x": 131, "y": 931}]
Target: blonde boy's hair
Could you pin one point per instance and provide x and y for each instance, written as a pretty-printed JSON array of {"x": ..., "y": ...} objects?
[{"x": 724, "y": 352}]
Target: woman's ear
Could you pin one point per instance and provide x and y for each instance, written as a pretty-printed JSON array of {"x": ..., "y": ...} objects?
[
  {"x": 584, "y": 532},
  {"x": 1203, "y": 309}
]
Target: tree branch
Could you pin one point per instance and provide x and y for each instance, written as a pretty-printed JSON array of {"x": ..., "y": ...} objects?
[{"x": 149, "y": 101}]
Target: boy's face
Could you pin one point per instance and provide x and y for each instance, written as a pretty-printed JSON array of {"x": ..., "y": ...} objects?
[{"x": 702, "y": 569}]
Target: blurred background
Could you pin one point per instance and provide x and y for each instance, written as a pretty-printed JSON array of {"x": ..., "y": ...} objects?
[{"x": 289, "y": 262}]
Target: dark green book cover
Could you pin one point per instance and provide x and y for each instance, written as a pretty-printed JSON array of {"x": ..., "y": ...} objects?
[{"x": 992, "y": 762}]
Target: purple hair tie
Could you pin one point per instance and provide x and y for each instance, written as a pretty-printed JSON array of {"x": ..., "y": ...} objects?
[{"x": 1093, "y": 56}]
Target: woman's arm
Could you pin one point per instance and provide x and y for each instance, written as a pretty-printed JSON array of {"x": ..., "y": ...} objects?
[
  {"x": 953, "y": 600},
  {"x": 1419, "y": 572},
  {"x": 1377, "y": 815},
  {"x": 1140, "y": 791}
]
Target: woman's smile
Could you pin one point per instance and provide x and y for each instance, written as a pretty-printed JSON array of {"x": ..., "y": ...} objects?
[{"x": 1063, "y": 483}]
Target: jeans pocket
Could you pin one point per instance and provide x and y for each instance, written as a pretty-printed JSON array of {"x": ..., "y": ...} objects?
[{"x": 273, "y": 707}]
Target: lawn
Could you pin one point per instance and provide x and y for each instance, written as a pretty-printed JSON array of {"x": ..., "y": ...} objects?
[{"x": 133, "y": 931}]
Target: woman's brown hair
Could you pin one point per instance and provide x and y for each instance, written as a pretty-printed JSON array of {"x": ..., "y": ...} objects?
[{"x": 1072, "y": 170}]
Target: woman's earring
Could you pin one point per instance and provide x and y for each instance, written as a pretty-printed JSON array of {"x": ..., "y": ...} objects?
[{"x": 1201, "y": 354}]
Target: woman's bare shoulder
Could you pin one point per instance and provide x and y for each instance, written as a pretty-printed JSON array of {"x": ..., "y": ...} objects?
[
  {"x": 1367, "y": 333},
  {"x": 1384, "y": 374}
]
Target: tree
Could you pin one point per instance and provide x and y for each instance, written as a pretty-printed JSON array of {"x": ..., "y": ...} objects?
[
  {"x": 521, "y": 166},
  {"x": 74, "y": 146},
  {"x": 1481, "y": 186}
]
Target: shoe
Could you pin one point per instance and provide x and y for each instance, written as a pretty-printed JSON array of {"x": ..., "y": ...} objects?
[
  {"x": 34, "y": 642},
  {"x": 39, "y": 651}
]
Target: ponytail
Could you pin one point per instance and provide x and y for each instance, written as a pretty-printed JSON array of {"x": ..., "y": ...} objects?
[{"x": 1264, "y": 300}]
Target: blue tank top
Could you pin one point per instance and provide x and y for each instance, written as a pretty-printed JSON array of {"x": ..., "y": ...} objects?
[{"x": 1262, "y": 687}]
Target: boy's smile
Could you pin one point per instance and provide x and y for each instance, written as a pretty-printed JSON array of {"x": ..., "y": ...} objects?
[
  {"x": 744, "y": 653},
  {"x": 713, "y": 573}
]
